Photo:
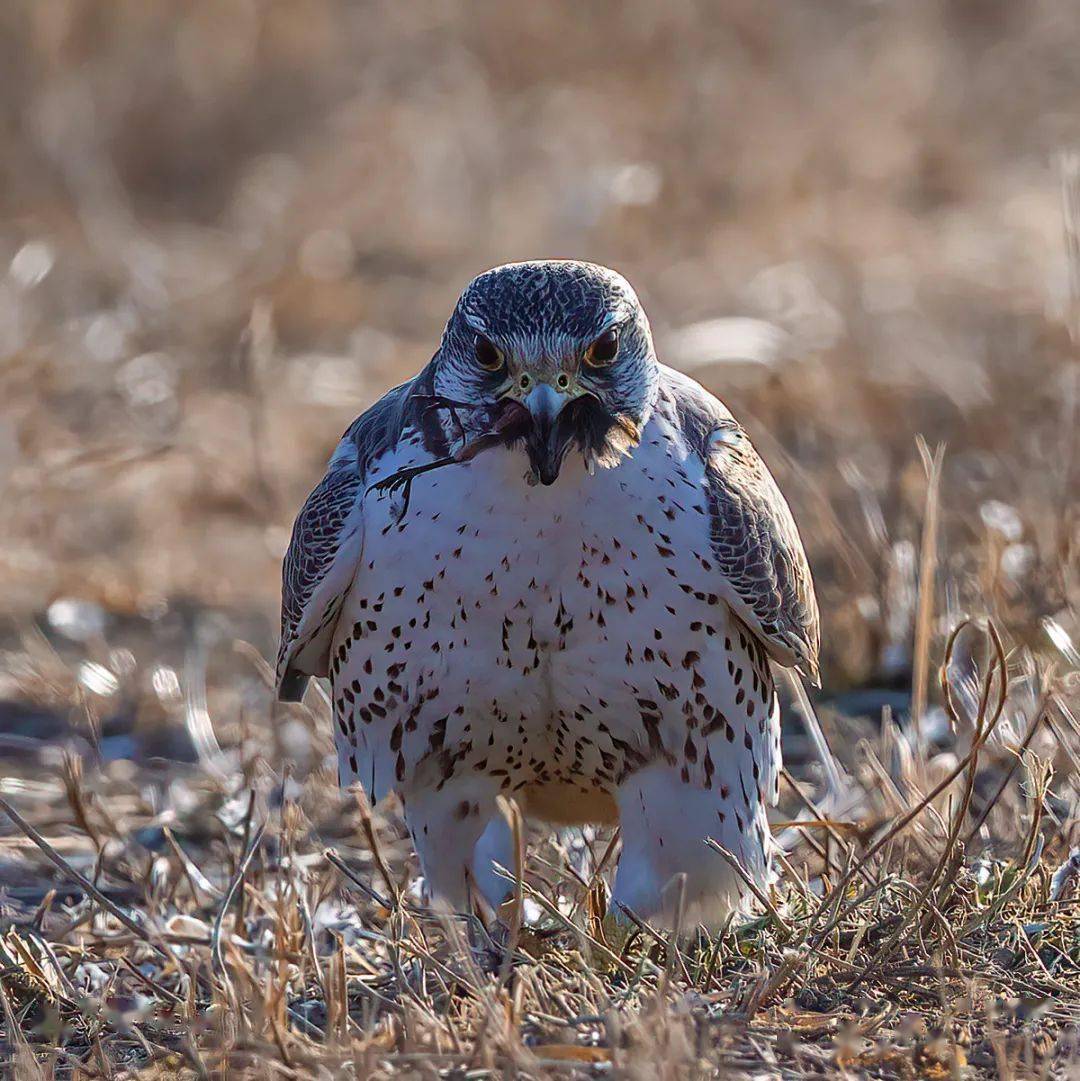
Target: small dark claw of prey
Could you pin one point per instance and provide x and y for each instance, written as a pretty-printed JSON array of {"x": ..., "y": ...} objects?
[
  {"x": 403, "y": 478},
  {"x": 406, "y": 475}
]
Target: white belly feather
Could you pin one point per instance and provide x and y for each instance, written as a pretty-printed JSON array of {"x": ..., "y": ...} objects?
[{"x": 549, "y": 636}]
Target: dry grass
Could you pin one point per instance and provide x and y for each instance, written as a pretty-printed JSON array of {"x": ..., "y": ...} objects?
[
  {"x": 226, "y": 226},
  {"x": 229, "y": 940}
]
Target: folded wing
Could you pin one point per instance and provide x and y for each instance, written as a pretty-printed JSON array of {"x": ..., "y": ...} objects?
[
  {"x": 327, "y": 540},
  {"x": 765, "y": 575}
]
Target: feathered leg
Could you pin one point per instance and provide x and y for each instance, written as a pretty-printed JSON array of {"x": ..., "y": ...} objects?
[
  {"x": 665, "y": 822},
  {"x": 459, "y": 834}
]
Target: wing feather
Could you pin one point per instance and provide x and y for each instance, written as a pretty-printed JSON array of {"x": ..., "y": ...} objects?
[
  {"x": 753, "y": 535},
  {"x": 327, "y": 541},
  {"x": 325, "y": 548}
]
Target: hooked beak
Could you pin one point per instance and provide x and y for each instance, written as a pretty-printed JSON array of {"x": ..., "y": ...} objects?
[{"x": 548, "y": 439}]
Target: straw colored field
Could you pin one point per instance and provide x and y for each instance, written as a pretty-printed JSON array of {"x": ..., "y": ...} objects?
[{"x": 226, "y": 226}]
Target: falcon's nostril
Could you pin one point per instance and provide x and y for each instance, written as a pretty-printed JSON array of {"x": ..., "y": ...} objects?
[
  {"x": 524, "y": 382},
  {"x": 563, "y": 381}
]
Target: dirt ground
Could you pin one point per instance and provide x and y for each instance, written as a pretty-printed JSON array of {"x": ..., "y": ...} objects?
[{"x": 227, "y": 226}]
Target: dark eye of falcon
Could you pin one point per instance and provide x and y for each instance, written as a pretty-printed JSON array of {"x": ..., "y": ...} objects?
[
  {"x": 603, "y": 351},
  {"x": 488, "y": 355}
]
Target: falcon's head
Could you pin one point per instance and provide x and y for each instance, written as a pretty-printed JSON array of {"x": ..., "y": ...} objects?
[{"x": 559, "y": 354}]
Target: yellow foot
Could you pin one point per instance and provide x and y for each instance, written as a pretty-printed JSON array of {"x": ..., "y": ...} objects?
[
  {"x": 610, "y": 929},
  {"x": 614, "y": 932}
]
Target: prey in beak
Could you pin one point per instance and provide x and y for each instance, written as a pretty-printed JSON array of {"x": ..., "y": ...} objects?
[
  {"x": 550, "y": 433},
  {"x": 546, "y": 414},
  {"x": 562, "y": 414}
]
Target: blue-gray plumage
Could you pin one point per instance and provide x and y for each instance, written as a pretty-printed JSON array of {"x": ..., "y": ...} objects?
[{"x": 553, "y": 568}]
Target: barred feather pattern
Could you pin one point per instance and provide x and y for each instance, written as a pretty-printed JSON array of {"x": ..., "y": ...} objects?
[
  {"x": 753, "y": 534},
  {"x": 316, "y": 538}
]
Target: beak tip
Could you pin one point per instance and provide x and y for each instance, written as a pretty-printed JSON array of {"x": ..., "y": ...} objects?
[{"x": 545, "y": 405}]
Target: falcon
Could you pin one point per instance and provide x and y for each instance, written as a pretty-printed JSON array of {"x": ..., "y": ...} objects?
[{"x": 551, "y": 567}]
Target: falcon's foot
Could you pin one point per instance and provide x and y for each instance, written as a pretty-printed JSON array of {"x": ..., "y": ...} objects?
[{"x": 614, "y": 932}]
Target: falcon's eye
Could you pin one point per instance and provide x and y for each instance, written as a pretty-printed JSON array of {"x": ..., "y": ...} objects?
[
  {"x": 604, "y": 350},
  {"x": 488, "y": 355}
]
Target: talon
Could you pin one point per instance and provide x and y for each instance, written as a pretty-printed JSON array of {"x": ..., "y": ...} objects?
[{"x": 615, "y": 932}]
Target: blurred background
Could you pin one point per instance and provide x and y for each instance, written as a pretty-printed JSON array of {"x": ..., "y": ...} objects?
[{"x": 227, "y": 226}]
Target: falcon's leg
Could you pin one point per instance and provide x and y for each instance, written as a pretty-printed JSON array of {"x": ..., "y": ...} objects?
[
  {"x": 496, "y": 845},
  {"x": 459, "y": 827},
  {"x": 665, "y": 821}
]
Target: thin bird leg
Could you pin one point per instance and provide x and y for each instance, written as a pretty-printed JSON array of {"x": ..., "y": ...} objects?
[
  {"x": 471, "y": 450},
  {"x": 409, "y": 473},
  {"x": 438, "y": 400},
  {"x": 403, "y": 478},
  {"x": 451, "y": 405}
]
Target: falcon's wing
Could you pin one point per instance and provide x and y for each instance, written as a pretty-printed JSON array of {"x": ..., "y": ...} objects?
[
  {"x": 754, "y": 539},
  {"x": 326, "y": 544}
]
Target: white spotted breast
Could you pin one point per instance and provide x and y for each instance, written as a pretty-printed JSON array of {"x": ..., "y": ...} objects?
[{"x": 562, "y": 633}]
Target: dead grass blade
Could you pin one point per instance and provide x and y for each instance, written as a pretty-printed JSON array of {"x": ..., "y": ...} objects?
[
  {"x": 927, "y": 565},
  {"x": 217, "y": 958},
  {"x": 73, "y": 875}
]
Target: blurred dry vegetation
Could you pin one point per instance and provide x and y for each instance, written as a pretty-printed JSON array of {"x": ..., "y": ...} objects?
[{"x": 226, "y": 226}]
